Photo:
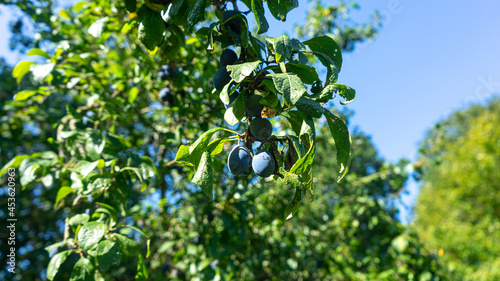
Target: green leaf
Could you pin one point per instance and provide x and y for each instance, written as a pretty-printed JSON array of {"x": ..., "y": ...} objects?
[
  {"x": 142, "y": 272},
  {"x": 21, "y": 69},
  {"x": 309, "y": 107},
  {"x": 151, "y": 28},
  {"x": 108, "y": 254},
  {"x": 83, "y": 270},
  {"x": 304, "y": 164},
  {"x": 24, "y": 95},
  {"x": 191, "y": 155},
  {"x": 236, "y": 111},
  {"x": 90, "y": 234},
  {"x": 131, "y": 5},
  {"x": 63, "y": 192},
  {"x": 306, "y": 73},
  {"x": 78, "y": 219},
  {"x": 38, "y": 52},
  {"x": 148, "y": 240},
  {"x": 282, "y": 47},
  {"x": 327, "y": 46},
  {"x": 129, "y": 246},
  {"x": 290, "y": 86},
  {"x": 280, "y": 8},
  {"x": 258, "y": 12},
  {"x": 41, "y": 71},
  {"x": 85, "y": 167},
  {"x": 94, "y": 144},
  {"x": 291, "y": 208},
  {"x": 28, "y": 170},
  {"x": 14, "y": 163},
  {"x": 55, "y": 263},
  {"x": 342, "y": 140},
  {"x": 204, "y": 175},
  {"x": 240, "y": 71},
  {"x": 132, "y": 94},
  {"x": 196, "y": 14},
  {"x": 171, "y": 11},
  {"x": 346, "y": 92}
]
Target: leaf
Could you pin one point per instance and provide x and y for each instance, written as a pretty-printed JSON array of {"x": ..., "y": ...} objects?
[
  {"x": 97, "y": 27},
  {"x": 21, "y": 69},
  {"x": 171, "y": 11},
  {"x": 90, "y": 234},
  {"x": 28, "y": 170},
  {"x": 83, "y": 270},
  {"x": 24, "y": 95},
  {"x": 327, "y": 46},
  {"x": 148, "y": 240},
  {"x": 280, "y": 8},
  {"x": 142, "y": 272},
  {"x": 14, "y": 163},
  {"x": 204, "y": 175},
  {"x": 196, "y": 14},
  {"x": 85, "y": 167},
  {"x": 291, "y": 208},
  {"x": 78, "y": 219},
  {"x": 191, "y": 155},
  {"x": 282, "y": 47},
  {"x": 94, "y": 144},
  {"x": 236, "y": 111},
  {"x": 304, "y": 164},
  {"x": 306, "y": 73},
  {"x": 240, "y": 71},
  {"x": 108, "y": 254},
  {"x": 290, "y": 86},
  {"x": 132, "y": 94},
  {"x": 65, "y": 14},
  {"x": 63, "y": 192},
  {"x": 258, "y": 12},
  {"x": 131, "y": 5},
  {"x": 346, "y": 92},
  {"x": 342, "y": 139},
  {"x": 55, "y": 263},
  {"x": 129, "y": 246},
  {"x": 309, "y": 107},
  {"x": 38, "y": 52},
  {"x": 151, "y": 28},
  {"x": 41, "y": 71}
]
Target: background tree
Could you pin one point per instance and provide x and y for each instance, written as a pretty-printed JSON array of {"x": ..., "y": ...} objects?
[
  {"x": 94, "y": 144},
  {"x": 458, "y": 211}
]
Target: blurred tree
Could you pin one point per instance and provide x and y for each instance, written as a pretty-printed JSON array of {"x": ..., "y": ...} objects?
[{"x": 458, "y": 210}]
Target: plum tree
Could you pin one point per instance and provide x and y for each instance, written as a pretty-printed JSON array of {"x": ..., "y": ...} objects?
[
  {"x": 261, "y": 128},
  {"x": 228, "y": 57},
  {"x": 221, "y": 78},
  {"x": 233, "y": 24},
  {"x": 253, "y": 106},
  {"x": 238, "y": 160},
  {"x": 263, "y": 163}
]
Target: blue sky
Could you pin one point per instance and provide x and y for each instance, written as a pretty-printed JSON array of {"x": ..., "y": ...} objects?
[{"x": 430, "y": 58}]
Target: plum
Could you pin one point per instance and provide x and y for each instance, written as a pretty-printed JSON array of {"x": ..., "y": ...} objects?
[
  {"x": 228, "y": 57},
  {"x": 254, "y": 108},
  {"x": 261, "y": 128},
  {"x": 221, "y": 78},
  {"x": 263, "y": 163},
  {"x": 238, "y": 160},
  {"x": 232, "y": 98},
  {"x": 235, "y": 23}
]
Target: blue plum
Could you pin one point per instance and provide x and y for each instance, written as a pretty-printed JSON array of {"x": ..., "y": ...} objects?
[
  {"x": 221, "y": 78},
  {"x": 228, "y": 57},
  {"x": 238, "y": 160},
  {"x": 261, "y": 128},
  {"x": 263, "y": 163},
  {"x": 254, "y": 108}
]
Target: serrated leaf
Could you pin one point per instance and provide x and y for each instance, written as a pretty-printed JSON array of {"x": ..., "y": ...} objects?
[
  {"x": 258, "y": 12},
  {"x": 204, "y": 175},
  {"x": 327, "y": 46},
  {"x": 108, "y": 254},
  {"x": 240, "y": 71},
  {"x": 346, "y": 92},
  {"x": 21, "y": 69},
  {"x": 55, "y": 263},
  {"x": 83, "y": 270},
  {"x": 290, "y": 86},
  {"x": 342, "y": 139},
  {"x": 151, "y": 28},
  {"x": 90, "y": 234},
  {"x": 191, "y": 155}
]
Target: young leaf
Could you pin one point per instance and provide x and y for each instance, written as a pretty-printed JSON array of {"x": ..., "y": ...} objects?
[
  {"x": 342, "y": 140},
  {"x": 204, "y": 175}
]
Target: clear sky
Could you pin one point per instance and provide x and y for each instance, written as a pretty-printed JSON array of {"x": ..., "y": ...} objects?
[{"x": 430, "y": 58}]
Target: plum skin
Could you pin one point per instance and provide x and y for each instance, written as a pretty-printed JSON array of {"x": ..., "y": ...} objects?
[
  {"x": 263, "y": 163},
  {"x": 221, "y": 78},
  {"x": 228, "y": 57},
  {"x": 261, "y": 128},
  {"x": 238, "y": 160},
  {"x": 254, "y": 108},
  {"x": 233, "y": 24}
]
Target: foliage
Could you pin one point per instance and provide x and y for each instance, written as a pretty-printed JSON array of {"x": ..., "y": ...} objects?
[
  {"x": 94, "y": 144},
  {"x": 458, "y": 209}
]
